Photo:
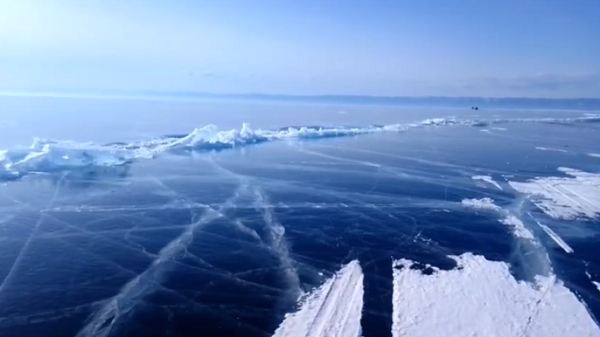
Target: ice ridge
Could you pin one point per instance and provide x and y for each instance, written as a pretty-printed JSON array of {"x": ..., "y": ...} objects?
[{"x": 47, "y": 155}]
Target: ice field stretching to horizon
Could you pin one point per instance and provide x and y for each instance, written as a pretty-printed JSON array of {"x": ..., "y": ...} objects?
[{"x": 125, "y": 217}]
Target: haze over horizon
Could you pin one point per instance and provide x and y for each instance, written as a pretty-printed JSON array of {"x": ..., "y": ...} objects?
[{"x": 467, "y": 48}]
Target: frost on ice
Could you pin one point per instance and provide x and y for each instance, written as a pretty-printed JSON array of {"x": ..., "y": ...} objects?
[
  {"x": 565, "y": 197},
  {"x": 482, "y": 298},
  {"x": 332, "y": 310}
]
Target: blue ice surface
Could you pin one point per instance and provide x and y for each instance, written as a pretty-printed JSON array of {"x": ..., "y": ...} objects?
[{"x": 220, "y": 243}]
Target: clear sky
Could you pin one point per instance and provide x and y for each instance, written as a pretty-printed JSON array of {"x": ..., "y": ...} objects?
[{"x": 542, "y": 48}]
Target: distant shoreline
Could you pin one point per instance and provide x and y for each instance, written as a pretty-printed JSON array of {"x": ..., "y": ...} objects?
[{"x": 449, "y": 101}]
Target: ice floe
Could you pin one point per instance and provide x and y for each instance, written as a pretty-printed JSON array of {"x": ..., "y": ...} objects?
[
  {"x": 564, "y": 197},
  {"x": 332, "y": 310},
  {"x": 559, "y": 241},
  {"x": 483, "y": 203},
  {"x": 482, "y": 298},
  {"x": 488, "y": 180}
]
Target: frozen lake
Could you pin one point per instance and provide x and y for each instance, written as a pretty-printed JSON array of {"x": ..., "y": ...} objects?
[{"x": 125, "y": 223}]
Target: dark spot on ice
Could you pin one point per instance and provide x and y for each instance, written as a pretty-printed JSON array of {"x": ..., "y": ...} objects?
[{"x": 428, "y": 271}]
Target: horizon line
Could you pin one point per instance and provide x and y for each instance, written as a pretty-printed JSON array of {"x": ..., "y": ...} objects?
[{"x": 191, "y": 94}]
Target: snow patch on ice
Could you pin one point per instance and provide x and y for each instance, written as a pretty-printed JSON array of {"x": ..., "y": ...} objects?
[
  {"x": 332, "y": 310},
  {"x": 564, "y": 197},
  {"x": 483, "y": 203},
  {"x": 482, "y": 298},
  {"x": 595, "y": 155},
  {"x": 518, "y": 227},
  {"x": 488, "y": 180},
  {"x": 559, "y": 241},
  {"x": 543, "y": 148},
  {"x": 597, "y": 284}
]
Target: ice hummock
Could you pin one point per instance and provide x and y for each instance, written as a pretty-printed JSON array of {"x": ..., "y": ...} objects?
[
  {"x": 49, "y": 155},
  {"x": 46, "y": 155}
]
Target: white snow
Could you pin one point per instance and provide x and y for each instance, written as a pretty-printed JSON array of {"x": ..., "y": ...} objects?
[
  {"x": 564, "y": 197},
  {"x": 595, "y": 155},
  {"x": 481, "y": 298},
  {"x": 488, "y": 180},
  {"x": 332, "y": 310},
  {"x": 559, "y": 241},
  {"x": 543, "y": 148},
  {"x": 483, "y": 203},
  {"x": 519, "y": 229},
  {"x": 597, "y": 284}
]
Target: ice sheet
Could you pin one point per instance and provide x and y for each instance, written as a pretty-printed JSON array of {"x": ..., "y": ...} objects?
[
  {"x": 482, "y": 298},
  {"x": 332, "y": 310}
]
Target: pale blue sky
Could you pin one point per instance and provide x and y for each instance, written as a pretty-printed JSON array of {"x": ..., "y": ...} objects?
[{"x": 542, "y": 48}]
